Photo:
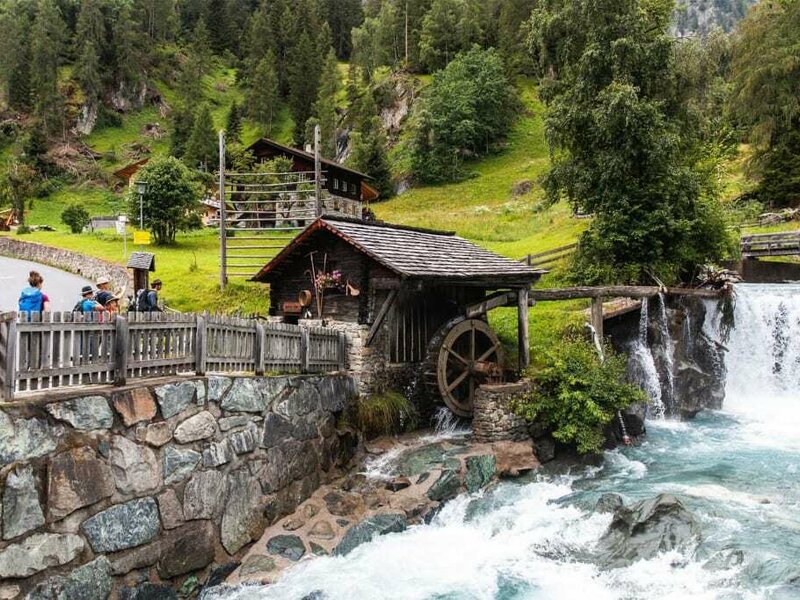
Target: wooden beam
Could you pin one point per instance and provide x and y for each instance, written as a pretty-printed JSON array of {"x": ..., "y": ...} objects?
[
  {"x": 384, "y": 310},
  {"x": 627, "y": 291},
  {"x": 491, "y": 302},
  {"x": 522, "y": 330},
  {"x": 385, "y": 283},
  {"x": 597, "y": 317}
]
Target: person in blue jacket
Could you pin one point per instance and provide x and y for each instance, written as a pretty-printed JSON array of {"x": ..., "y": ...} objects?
[
  {"x": 32, "y": 299},
  {"x": 88, "y": 304}
]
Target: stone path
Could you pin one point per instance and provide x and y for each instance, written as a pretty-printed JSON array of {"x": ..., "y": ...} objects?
[{"x": 421, "y": 473}]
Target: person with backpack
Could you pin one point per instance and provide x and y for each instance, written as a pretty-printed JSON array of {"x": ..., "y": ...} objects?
[
  {"x": 147, "y": 300},
  {"x": 87, "y": 303},
  {"x": 103, "y": 295},
  {"x": 32, "y": 299}
]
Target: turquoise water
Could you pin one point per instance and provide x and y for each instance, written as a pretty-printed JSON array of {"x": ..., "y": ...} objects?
[{"x": 736, "y": 470}]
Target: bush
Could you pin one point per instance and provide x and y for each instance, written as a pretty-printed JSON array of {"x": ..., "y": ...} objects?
[
  {"x": 384, "y": 413},
  {"x": 577, "y": 395},
  {"x": 75, "y": 217},
  {"x": 24, "y": 230}
]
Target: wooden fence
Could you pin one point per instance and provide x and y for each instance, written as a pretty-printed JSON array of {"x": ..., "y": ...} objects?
[
  {"x": 785, "y": 243},
  {"x": 58, "y": 350},
  {"x": 548, "y": 258}
]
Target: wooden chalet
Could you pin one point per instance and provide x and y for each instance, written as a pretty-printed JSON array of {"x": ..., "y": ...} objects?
[
  {"x": 412, "y": 289},
  {"x": 340, "y": 181},
  {"x": 128, "y": 172}
]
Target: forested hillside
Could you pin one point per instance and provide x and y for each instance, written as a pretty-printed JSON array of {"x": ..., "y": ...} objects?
[{"x": 703, "y": 16}]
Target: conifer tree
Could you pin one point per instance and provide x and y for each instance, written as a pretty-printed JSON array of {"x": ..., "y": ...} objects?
[
  {"x": 182, "y": 122},
  {"x": 89, "y": 41},
  {"x": 325, "y": 106},
  {"x": 262, "y": 97},
  {"x": 303, "y": 78},
  {"x": 343, "y": 16},
  {"x": 368, "y": 143},
  {"x": 47, "y": 35},
  {"x": 233, "y": 126},
  {"x": 202, "y": 149},
  {"x": 15, "y": 82}
]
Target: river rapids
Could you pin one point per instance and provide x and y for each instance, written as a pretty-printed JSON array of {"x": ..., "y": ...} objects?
[{"x": 736, "y": 470}]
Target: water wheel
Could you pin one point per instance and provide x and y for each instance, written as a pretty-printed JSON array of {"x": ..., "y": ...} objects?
[{"x": 462, "y": 354}]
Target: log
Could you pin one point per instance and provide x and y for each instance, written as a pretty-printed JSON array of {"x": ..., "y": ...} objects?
[
  {"x": 493, "y": 301},
  {"x": 522, "y": 330},
  {"x": 628, "y": 291}
]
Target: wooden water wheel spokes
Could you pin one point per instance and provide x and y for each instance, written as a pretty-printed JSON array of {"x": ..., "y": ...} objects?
[{"x": 469, "y": 355}]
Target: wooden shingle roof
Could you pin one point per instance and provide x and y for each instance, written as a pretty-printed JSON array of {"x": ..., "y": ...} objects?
[
  {"x": 413, "y": 252},
  {"x": 142, "y": 260}
]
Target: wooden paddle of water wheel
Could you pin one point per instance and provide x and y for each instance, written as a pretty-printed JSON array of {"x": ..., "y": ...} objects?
[{"x": 462, "y": 354}]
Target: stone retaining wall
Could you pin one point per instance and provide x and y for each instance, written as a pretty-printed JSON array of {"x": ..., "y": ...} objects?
[
  {"x": 67, "y": 260},
  {"x": 131, "y": 488},
  {"x": 493, "y": 418}
]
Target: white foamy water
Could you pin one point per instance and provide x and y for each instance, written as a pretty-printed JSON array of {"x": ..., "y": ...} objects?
[{"x": 642, "y": 367}]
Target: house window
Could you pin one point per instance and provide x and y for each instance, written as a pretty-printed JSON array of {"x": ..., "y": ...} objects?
[
  {"x": 335, "y": 184},
  {"x": 344, "y": 186}
]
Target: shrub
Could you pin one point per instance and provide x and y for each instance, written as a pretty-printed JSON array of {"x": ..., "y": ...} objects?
[
  {"x": 75, "y": 217},
  {"x": 24, "y": 230},
  {"x": 577, "y": 395},
  {"x": 384, "y": 413}
]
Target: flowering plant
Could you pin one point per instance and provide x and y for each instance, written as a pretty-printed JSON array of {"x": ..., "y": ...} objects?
[{"x": 329, "y": 280}]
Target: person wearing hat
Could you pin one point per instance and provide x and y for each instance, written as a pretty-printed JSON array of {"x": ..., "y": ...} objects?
[
  {"x": 147, "y": 300},
  {"x": 104, "y": 295},
  {"x": 87, "y": 303}
]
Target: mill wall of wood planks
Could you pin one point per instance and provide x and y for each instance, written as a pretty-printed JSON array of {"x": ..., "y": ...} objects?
[{"x": 61, "y": 350}]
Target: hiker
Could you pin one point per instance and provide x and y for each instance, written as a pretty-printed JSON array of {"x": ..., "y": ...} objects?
[
  {"x": 32, "y": 299},
  {"x": 112, "y": 304},
  {"x": 87, "y": 303},
  {"x": 103, "y": 295},
  {"x": 147, "y": 300}
]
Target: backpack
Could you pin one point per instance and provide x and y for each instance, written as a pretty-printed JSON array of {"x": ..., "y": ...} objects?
[
  {"x": 78, "y": 308},
  {"x": 142, "y": 301},
  {"x": 31, "y": 300}
]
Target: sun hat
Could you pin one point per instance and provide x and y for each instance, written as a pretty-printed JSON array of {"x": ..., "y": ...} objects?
[
  {"x": 102, "y": 280},
  {"x": 157, "y": 282},
  {"x": 87, "y": 289}
]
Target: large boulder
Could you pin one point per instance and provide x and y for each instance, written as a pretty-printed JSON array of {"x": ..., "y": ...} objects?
[
  {"x": 646, "y": 529},
  {"x": 368, "y": 529}
]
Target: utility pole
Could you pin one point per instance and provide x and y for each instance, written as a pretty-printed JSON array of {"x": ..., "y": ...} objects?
[
  {"x": 223, "y": 251},
  {"x": 317, "y": 172}
]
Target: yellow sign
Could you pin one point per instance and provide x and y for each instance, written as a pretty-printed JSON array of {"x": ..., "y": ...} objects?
[{"x": 141, "y": 237}]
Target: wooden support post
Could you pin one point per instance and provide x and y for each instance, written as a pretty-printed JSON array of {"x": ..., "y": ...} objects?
[
  {"x": 223, "y": 250},
  {"x": 522, "y": 330},
  {"x": 304, "y": 342},
  {"x": 200, "y": 346},
  {"x": 260, "y": 348},
  {"x": 121, "y": 344},
  {"x": 11, "y": 359},
  {"x": 342, "y": 351},
  {"x": 317, "y": 172},
  {"x": 384, "y": 310},
  {"x": 597, "y": 317}
]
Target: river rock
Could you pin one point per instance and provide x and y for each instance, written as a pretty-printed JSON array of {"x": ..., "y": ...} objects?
[
  {"x": 256, "y": 563},
  {"x": 217, "y": 386},
  {"x": 242, "y": 521},
  {"x": 301, "y": 399},
  {"x": 24, "y": 439},
  {"x": 134, "y": 406},
  {"x": 9, "y": 591},
  {"x": 198, "y": 427},
  {"x": 445, "y": 487},
  {"x": 123, "y": 526},
  {"x": 608, "y": 503},
  {"x": 342, "y": 504},
  {"x": 92, "y": 581},
  {"x": 480, "y": 471},
  {"x": 155, "y": 434},
  {"x": 136, "y": 468},
  {"x": 39, "y": 552},
  {"x": 646, "y": 529},
  {"x": 203, "y": 495},
  {"x": 368, "y": 529},
  {"x": 322, "y": 530},
  {"x": 242, "y": 442},
  {"x": 228, "y": 423},
  {"x": 179, "y": 463},
  {"x": 85, "y": 414},
  {"x": 148, "y": 591},
  {"x": 170, "y": 508},
  {"x": 398, "y": 483},
  {"x": 21, "y": 509},
  {"x": 416, "y": 461},
  {"x": 512, "y": 458},
  {"x": 187, "y": 549},
  {"x": 277, "y": 430},
  {"x": 173, "y": 398},
  {"x": 253, "y": 394},
  {"x": 287, "y": 546},
  {"x": 67, "y": 475}
]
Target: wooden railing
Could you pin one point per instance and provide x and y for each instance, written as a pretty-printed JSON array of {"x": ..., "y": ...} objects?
[
  {"x": 786, "y": 243},
  {"x": 60, "y": 350},
  {"x": 548, "y": 258}
]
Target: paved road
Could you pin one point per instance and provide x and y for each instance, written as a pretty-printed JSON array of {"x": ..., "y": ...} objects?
[{"x": 63, "y": 288}]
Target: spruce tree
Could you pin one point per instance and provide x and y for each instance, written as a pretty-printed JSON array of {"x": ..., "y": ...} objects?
[
  {"x": 262, "y": 97},
  {"x": 47, "y": 35},
  {"x": 303, "y": 79},
  {"x": 89, "y": 42},
  {"x": 202, "y": 149},
  {"x": 368, "y": 147},
  {"x": 325, "y": 106},
  {"x": 233, "y": 126},
  {"x": 15, "y": 73},
  {"x": 343, "y": 16},
  {"x": 182, "y": 122}
]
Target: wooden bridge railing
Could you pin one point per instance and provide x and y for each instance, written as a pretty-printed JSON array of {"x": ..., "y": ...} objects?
[
  {"x": 549, "y": 257},
  {"x": 60, "y": 350},
  {"x": 785, "y": 243}
]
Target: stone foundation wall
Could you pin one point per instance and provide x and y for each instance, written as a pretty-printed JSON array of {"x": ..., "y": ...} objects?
[
  {"x": 67, "y": 260},
  {"x": 493, "y": 418},
  {"x": 140, "y": 487}
]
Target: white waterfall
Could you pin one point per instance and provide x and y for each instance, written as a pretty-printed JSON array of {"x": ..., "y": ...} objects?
[
  {"x": 643, "y": 368},
  {"x": 669, "y": 352}
]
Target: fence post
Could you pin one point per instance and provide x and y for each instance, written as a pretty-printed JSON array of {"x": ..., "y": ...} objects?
[
  {"x": 11, "y": 358},
  {"x": 201, "y": 346},
  {"x": 260, "y": 348},
  {"x": 304, "y": 343},
  {"x": 121, "y": 343},
  {"x": 342, "y": 350}
]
